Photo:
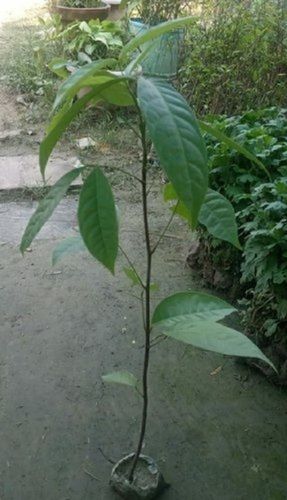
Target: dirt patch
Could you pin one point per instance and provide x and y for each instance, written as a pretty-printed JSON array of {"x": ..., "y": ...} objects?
[{"x": 10, "y": 115}]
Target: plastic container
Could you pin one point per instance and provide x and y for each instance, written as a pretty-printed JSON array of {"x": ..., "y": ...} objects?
[
  {"x": 163, "y": 59},
  {"x": 148, "y": 482}
]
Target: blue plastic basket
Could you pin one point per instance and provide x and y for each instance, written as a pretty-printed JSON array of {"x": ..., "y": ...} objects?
[{"x": 163, "y": 59}]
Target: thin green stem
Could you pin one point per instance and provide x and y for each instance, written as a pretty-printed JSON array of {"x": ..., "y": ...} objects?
[
  {"x": 132, "y": 266},
  {"x": 147, "y": 318},
  {"x": 162, "y": 234}
]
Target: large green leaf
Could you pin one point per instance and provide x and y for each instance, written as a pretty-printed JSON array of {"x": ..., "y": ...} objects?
[
  {"x": 98, "y": 220},
  {"x": 155, "y": 32},
  {"x": 212, "y": 336},
  {"x": 121, "y": 377},
  {"x": 77, "y": 80},
  {"x": 191, "y": 317},
  {"x": 191, "y": 306},
  {"x": 232, "y": 144},
  {"x": 66, "y": 247},
  {"x": 218, "y": 216},
  {"x": 61, "y": 121},
  {"x": 46, "y": 207},
  {"x": 177, "y": 140}
]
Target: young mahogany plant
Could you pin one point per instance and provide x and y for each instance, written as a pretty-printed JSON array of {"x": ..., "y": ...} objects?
[{"x": 165, "y": 118}]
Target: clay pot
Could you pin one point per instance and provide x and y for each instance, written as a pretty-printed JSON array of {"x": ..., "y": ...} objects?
[
  {"x": 148, "y": 482},
  {"x": 71, "y": 14}
]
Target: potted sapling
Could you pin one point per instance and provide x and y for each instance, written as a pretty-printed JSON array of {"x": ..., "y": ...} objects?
[{"x": 165, "y": 118}]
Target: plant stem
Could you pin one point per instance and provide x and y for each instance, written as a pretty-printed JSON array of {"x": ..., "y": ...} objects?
[
  {"x": 132, "y": 266},
  {"x": 165, "y": 228},
  {"x": 147, "y": 319}
]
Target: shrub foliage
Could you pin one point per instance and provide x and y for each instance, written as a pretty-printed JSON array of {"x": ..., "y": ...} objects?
[
  {"x": 261, "y": 209},
  {"x": 235, "y": 58}
]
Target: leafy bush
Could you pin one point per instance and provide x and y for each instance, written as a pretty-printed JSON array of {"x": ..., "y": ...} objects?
[
  {"x": 92, "y": 40},
  {"x": 265, "y": 258},
  {"x": 263, "y": 133},
  {"x": 261, "y": 210},
  {"x": 26, "y": 59},
  {"x": 236, "y": 57}
]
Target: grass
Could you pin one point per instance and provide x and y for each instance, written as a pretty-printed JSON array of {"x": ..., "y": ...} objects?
[{"x": 22, "y": 60}]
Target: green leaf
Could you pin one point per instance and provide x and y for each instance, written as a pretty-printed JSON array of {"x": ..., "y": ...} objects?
[
  {"x": 60, "y": 125},
  {"x": 169, "y": 193},
  {"x": 98, "y": 219},
  {"x": 155, "y": 32},
  {"x": 76, "y": 80},
  {"x": 62, "y": 120},
  {"x": 67, "y": 247},
  {"x": 181, "y": 210},
  {"x": 233, "y": 145},
  {"x": 190, "y": 306},
  {"x": 121, "y": 377},
  {"x": 58, "y": 65},
  {"x": 177, "y": 140},
  {"x": 191, "y": 318},
  {"x": 215, "y": 337},
  {"x": 119, "y": 94},
  {"x": 218, "y": 216},
  {"x": 131, "y": 274},
  {"x": 46, "y": 207},
  {"x": 154, "y": 287}
]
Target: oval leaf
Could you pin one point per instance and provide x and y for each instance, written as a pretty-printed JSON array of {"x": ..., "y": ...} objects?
[
  {"x": 121, "y": 377},
  {"x": 177, "y": 140},
  {"x": 98, "y": 220},
  {"x": 47, "y": 206},
  {"x": 67, "y": 247},
  {"x": 218, "y": 216},
  {"x": 62, "y": 120},
  {"x": 191, "y": 306},
  {"x": 76, "y": 80},
  {"x": 215, "y": 337}
]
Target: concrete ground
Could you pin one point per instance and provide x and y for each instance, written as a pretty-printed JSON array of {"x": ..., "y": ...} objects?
[{"x": 217, "y": 429}]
